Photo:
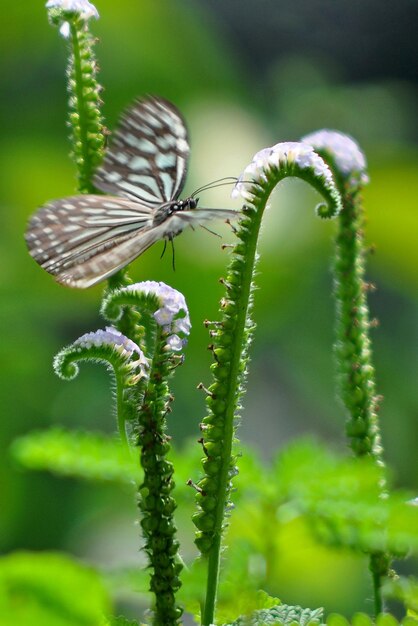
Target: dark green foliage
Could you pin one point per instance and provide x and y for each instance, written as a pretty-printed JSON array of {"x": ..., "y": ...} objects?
[{"x": 282, "y": 614}]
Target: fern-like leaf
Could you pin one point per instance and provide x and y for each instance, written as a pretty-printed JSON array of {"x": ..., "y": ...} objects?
[
  {"x": 282, "y": 614},
  {"x": 91, "y": 456}
]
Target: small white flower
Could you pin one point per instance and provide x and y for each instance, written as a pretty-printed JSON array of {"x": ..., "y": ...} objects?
[
  {"x": 85, "y": 8},
  {"x": 171, "y": 300},
  {"x": 112, "y": 337},
  {"x": 344, "y": 150},
  {"x": 175, "y": 343},
  {"x": 127, "y": 348},
  {"x": 286, "y": 154},
  {"x": 182, "y": 325},
  {"x": 65, "y": 29},
  {"x": 173, "y": 314},
  {"x": 164, "y": 316}
]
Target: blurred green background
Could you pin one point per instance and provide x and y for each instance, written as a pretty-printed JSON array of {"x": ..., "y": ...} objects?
[{"x": 246, "y": 75}]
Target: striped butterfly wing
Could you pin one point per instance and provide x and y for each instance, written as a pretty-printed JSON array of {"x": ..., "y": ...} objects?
[
  {"x": 82, "y": 240},
  {"x": 148, "y": 154}
]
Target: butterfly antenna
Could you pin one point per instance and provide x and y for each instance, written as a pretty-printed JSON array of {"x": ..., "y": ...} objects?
[{"x": 227, "y": 180}]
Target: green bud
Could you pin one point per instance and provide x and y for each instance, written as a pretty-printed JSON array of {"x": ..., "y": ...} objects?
[
  {"x": 203, "y": 521},
  {"x": 203, "y": 542}
]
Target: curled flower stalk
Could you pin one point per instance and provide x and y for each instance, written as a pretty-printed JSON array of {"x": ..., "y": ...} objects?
[
  {"x": 232, "y": 338},
  {"x": 124, "y": 359},
  {"x": 164, "y": 335},
  {"x": 85, "y": 119},
  {"x": 353, "y": 351}
]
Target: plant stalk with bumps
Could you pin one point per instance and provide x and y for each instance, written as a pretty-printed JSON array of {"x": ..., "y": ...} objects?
[
  {"x": 356, "y": 373},
  {"x": 232, "y": 338}
]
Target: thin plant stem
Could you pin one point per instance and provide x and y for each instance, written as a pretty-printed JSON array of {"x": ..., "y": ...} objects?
[
  {"x": 231, "y": 343},
  {"x": 148, "y": 423},
  {"x": 353, "y": 351},
  {"x": 354, "y": 357},
  {"x": 156, "y": 502},
  {"x": 85, "y": 117},
  {"x": 243, "y": 303}
]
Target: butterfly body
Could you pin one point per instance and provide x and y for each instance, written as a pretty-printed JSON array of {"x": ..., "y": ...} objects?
[{"x": 84, "y": 239}]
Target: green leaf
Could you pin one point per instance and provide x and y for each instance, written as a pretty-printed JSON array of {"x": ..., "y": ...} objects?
[
  {"x": 282, "y": 614},
  {"x": 406, "y": 591},
  {"x": 386, "y": 619},
  {"x": 50, "y": 589},
  {"x": 341, "y": 498},
  {"x": 91, "y": 456},
  {"x": 361, "y": 619},
  {"x": 335, "y": 619}
]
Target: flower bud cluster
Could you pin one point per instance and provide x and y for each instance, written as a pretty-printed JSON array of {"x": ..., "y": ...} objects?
[
  {"x": 63, "y": 10},
  {"x": 108, "y": 346},
  {"x": 289, "y": 159},
  {"x": 168, "y": 306},
  {"x": 346, "y": 159}
]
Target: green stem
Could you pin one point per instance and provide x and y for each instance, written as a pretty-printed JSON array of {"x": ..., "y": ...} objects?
[
  {"x": 156, "y": 502},
  {"x": 120, "y": 412},
  {"x": 353, "y": 346},
  {"x": 85, "y": 116},
  {"x": 231, "y": 344},
  {"x": 214, "y": 560},
  {"x": 379, "y": 566},
  {"x": 242, "y": 321},
  {"x": 354, "y": 356},
  {"x": 84, "y": 166},
  {"x": 148, "y": 419},
  {"x": 377, "y": 593}
]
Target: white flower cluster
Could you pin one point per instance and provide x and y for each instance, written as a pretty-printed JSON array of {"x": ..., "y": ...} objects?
[
  {"x": 84, "y": 8},
  {"x": 286, "y": 155},
  {"x": 113, "y": 338},
  {"x": 344, "y": 150},
  {"x": 173, "y": 314}
]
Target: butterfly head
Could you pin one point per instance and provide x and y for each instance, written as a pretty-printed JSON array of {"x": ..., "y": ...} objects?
[{"x": 184, "y": 205}]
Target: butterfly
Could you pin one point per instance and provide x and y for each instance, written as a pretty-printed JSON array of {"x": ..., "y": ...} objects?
[{"x": 83, "y": 239}]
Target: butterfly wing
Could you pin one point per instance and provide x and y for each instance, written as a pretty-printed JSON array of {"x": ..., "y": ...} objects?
[
  {"x": 82, "y": 240},
  {"x": 148, "y": 154}
]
